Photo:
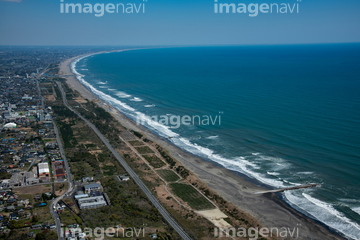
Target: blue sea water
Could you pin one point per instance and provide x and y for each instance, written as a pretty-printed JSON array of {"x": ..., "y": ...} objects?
[{"x": 289, "y": 114}]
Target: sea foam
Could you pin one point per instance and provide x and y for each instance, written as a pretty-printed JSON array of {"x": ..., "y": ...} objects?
[
  {"x": 324, "y": 212},
  {"x": 136, "y": 99},
  {"x": 149, "y": 105},
  {"x": 212, "y": 137},
  {"x": 121, "y": 94},
  {"x": 356, "y": 209}
]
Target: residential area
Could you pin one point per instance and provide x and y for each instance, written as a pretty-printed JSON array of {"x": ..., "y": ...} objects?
[
  {"x": 39, "y": 197},
  {"x": 32, "y": 169}
]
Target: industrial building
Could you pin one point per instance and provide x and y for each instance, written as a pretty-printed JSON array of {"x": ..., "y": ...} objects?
[
  {"x": 91, "y": 202},
  {"x": 43, "y": 170}
]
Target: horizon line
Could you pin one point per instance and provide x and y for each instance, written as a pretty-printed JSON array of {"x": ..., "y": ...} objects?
[{"x": 177, "y": 45}]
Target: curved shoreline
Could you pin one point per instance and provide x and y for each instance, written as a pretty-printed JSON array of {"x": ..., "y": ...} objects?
[{"x": 269, "y": 209}]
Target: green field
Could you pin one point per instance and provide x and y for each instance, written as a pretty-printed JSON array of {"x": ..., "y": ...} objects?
[
  {"x": 154, "y": 161},
  {"x": 68, "y": 217},
  {"x": 191, "y": 196},
  {"x": 144, "y": 150},
  {"x": 136, "y": 143},
  {"x": 168, "y": 175}
]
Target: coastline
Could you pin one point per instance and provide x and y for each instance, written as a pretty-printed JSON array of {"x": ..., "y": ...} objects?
[{"x": 268, "y": 209}]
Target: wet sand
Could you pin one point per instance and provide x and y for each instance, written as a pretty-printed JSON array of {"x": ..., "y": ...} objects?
[{"x": 268, "y": 209}]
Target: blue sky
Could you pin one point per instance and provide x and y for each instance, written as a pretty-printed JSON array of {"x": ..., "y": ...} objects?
[{"x": 173, "y": 22}]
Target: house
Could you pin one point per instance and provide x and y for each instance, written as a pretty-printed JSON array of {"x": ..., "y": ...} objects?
[
  {"x": 37, "y": 226},
  {"x": 21, "y": 212},
  {"x": 13, "y": 216},
  {"x": 37, "y": 197},
  {"x": 30, "y": 181},
  {"x": 87, "y": 179},
  {"x": 91, "y": 187},
  {"x": 52, "y": 226},
  {"x": 23, "y": 202},
  {"x": 10, "y": 208},
  {"x": 124, "y": 178},
  {"x": 11, "y": 200}
]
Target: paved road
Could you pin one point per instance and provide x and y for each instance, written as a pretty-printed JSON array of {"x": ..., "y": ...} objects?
[
  {"x": 69, "y": 180},
  {"x": 132, "y": 173}
]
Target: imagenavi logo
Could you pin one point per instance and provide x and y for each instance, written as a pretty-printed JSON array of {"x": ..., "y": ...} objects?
[
  {"x": 100, "y": 9},
  {"x": 254, "y": 9}
]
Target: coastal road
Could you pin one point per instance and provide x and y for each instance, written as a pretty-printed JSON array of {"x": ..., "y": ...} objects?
[{"x": 131, "y": 172}]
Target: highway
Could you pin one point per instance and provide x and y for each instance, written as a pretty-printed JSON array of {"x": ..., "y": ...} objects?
[{"x": 131, "y": 172}]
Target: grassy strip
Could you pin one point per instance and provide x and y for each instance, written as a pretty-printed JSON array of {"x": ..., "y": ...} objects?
[
  {"x": 154, "y": 161},
  {"x": 144, "y": 150},
  {"x": 191, "y": 196},
  {"x": 136, "y": 143},
  {"x": 168, "y": 175}
]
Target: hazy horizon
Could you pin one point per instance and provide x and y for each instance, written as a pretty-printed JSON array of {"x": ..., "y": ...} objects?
[{"x": 185, "y": 23}]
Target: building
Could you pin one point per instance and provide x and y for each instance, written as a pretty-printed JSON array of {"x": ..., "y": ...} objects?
[
  {"x": 87, "y": 179},
  {"x": 124, "y": 178},
  {"x": 91, "y": 202},
  {"x": 10, "y": 125},
  {"x": 81, "y": 195},
  {"x": 43, "y": 170},
  {"x": 59, "y": 169},
  {"x": 31, "y": 178},
  {"x": 48, "y": 117},
  {"x": 13, "y": 216},
  {"x": 30, "y": 181},
  {"x": 92, "y": 187},
  {"x": 16, "y": 180}
]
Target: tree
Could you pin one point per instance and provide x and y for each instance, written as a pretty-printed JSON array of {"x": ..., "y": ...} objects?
[
  {"x": 46, "y": 235},
  {"x": 35, "y": 219}
]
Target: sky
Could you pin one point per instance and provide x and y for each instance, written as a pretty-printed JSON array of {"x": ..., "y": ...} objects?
[{"x": 175, "y": 22}]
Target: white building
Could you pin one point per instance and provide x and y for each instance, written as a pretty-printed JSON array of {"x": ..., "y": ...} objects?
[
  {"x": 43, "y": 169},
  {"x": 10, "y": 125},
  {"x": 91, "y": 202},
  {"x": 92, "y": 187}
]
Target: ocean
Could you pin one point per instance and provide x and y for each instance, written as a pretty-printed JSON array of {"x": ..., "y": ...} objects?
[{"x": 282, "y": 115}]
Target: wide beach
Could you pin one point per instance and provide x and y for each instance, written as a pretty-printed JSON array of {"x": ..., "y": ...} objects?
[{"x": 268, "y": 209}]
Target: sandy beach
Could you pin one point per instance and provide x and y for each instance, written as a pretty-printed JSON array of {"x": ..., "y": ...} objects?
[{"x": 268, "y": 208}]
